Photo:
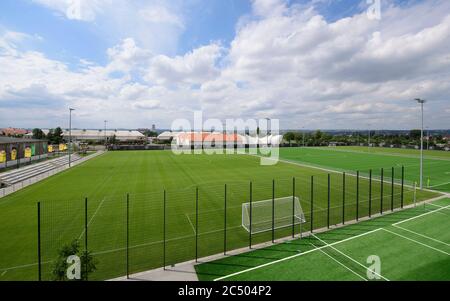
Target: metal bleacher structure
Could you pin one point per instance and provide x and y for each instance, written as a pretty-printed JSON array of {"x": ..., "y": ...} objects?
[
  {"x": 20, "y": 178},
  {"x": 19, "y": 175}
]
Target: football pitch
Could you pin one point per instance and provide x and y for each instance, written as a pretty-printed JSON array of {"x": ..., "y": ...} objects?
[
  {"x": 144, "y": 176},
  {"x": 413, "y": 244},
  {"x": 436, "y": 163}
]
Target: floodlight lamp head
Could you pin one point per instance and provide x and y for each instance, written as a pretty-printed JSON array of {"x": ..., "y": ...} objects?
[{"x": 420, "y": 100}]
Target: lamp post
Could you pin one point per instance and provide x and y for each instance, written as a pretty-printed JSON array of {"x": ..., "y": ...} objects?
[
  {"x": 267, "y": 132},
  {"x": 303, "y": 136},
  {"x": 70, "y": 135},
  {"x": 421, "y": 102},
  {"x": 106, "y": 121}
]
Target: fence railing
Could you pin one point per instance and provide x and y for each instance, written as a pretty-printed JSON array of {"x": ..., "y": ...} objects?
[{"x": 137, "y": 232}]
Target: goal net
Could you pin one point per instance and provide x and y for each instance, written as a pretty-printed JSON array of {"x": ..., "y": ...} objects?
[{"x": 279, "y": 213}]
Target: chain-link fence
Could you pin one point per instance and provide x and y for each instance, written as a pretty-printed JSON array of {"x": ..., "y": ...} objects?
[{"x": 121, "y": 235}]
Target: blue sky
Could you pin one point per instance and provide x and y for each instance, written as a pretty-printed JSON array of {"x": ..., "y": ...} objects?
[{"x": 313, "y": 63}]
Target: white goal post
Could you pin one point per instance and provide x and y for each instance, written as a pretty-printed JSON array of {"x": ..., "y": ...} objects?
[{"x": 278, "y": 213}]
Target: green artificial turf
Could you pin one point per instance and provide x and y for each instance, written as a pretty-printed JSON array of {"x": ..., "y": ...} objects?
[
  {"x": 411, "y": 245},
  {"x": 144, "y": 175},
  {"x": 436, "y": 163}
]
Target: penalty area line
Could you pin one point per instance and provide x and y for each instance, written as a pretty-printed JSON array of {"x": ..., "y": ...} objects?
[{"x": 294, "y": 256}]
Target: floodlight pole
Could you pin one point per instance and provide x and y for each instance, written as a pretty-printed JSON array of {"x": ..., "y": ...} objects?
[
  {"x": 70, "y": 135},
  {"x": 105, "y": 133},
  {"x": 267, "y": 132},
  {"x": 421, "y": 102},
  {"x": 303, "y": 136},
  {"x": 368, "y": 143}
]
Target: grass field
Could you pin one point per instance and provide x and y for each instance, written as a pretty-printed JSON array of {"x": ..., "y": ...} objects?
[
  {"x": 413, "y": 244},
  {"x": 107, "y": 179},
  {"x": 436, "y": 163}
]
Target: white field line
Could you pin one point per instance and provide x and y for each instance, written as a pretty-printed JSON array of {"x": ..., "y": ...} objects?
[
  {"x": 340, "y": 263},
  {"x": 343, "y": 254},
  {"x": 427, "y": 237},
  {"x": 439, "y": 206},
  {"x": 294, "y": 256},
  {"x": 92, "y": 218},
  {"x": 190, "y": 222},
  {"x": 421, "y": 215},
  {"x": 418, "y": 242},
  {"x": 442, "y": 184}
]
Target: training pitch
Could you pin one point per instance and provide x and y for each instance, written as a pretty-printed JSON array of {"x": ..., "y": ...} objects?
[
  {"x": 413, "y": 244},
  {"x": 144, "y": 175}
]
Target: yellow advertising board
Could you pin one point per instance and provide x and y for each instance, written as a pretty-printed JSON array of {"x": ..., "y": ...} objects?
[
  {"x": 50, "y": 148},
  {"x": 14, "y": 155},
  {"x": 2, "y": 156},
  {"x": 28, "y": 152}
]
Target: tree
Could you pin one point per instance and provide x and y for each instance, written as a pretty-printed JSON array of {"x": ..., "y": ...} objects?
[
  {"x": 38, "y": 134},
  {"x": 150, "y": 133},
  {"x": 87, "y": 261},
  {"x": 112, "y": 140},
  {"x": 415, "y": 134},
  {"x": 289, "y": 136},
  {"x": 55, "y": 136}
]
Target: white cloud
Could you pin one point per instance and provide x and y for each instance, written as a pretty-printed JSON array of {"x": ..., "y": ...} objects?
[
  {"x": 161, "y": 15},
  {"x": 285, "y": 62},
  {"x": 192, "y": 68},
  {"x": 82, "y": 10}
]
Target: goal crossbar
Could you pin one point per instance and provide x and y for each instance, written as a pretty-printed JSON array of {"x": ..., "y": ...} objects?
[{"x": 265, "y": 215}]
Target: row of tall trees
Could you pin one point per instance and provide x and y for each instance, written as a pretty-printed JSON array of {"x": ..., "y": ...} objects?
[
  {"x": 319, "y": 138},
  {"x": 54, "y": 136}
]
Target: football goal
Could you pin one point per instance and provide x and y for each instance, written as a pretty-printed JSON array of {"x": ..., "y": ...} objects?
[{"x": 278, "y": 213}]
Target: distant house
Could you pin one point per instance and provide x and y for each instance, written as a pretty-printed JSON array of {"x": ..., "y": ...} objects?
[{"x": 10, "y": 132}]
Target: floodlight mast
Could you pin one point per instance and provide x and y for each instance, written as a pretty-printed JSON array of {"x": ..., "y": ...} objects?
[
  {"x": 70, "y": 135},
  {"x": 421, "y": 102},
  {"x": 106, "y": 121},
  {"x": 267, "y": 132}
]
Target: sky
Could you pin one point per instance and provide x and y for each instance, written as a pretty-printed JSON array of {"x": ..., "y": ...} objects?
[{"x": 314, "y": 64}]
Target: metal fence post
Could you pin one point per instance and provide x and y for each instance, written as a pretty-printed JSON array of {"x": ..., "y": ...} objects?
[
  {"x": 251, "y": 213},
  {"x": 357, "y": 195},
  {"x": 273, "y": 211},
  {"x": 370, "y": 193},
  {"x": 225, "y": 222},
  {"x": 343, "y": 198},
  {"x": 312, "y": 203},
  {"x": 293, "y": 207},
  {"x": 403, "y": 179},
  {"x": 128, "y": 236},
  {"x": 164, "y": 231},
  {"x": 86, "y": 235},
  {"x": 196, "y": 225},
  {"x": 328, "y": 199},
  {"x": 392, "y": 189},
  {"x": 39, "y": 241},
  {"x": 381, "y": 191}
]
